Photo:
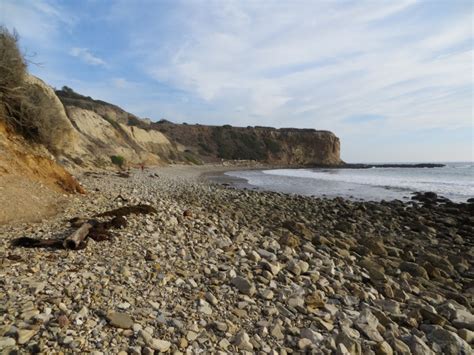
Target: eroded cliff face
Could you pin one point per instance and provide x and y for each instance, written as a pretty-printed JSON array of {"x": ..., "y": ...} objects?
[
  {"x": 84, "y": 133},
  {"x": 287, "y": 146},
  {"x": 32, "y": 183},
  {"x": 101, "y": 138}
]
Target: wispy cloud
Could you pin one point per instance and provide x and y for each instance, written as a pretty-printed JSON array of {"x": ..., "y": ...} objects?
[
  {"x": 318, "y": 62},
  {"x": 85, "y": 55}
]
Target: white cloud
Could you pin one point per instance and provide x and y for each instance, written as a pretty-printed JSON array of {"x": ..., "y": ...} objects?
[
  {"x": 85, "y": 55},
  {"x": 38, "y": 20},
  {"x": 315, "y": 63}
]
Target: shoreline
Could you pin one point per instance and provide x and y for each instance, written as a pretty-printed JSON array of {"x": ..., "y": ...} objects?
[
  {"x": 321, "y": 187},
  {"x": 215, "y": 269}
]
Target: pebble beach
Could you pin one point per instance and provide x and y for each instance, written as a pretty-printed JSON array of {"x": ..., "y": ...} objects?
[{"x": 223, "y": 270}]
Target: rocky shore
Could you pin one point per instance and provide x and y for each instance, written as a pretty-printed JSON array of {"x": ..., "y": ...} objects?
[{"x": 219, "y": 270}]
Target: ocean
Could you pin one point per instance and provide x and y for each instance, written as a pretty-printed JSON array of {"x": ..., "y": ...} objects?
[{"x": 454, "y": 181}]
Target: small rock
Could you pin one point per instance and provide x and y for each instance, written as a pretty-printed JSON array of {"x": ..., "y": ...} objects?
[
  {"x": 63, "y": 320},
  {"x": 450, "y": 342},
  {"x": 295, "y": 302},
  {"x": 243, "y": 285},
  {"x": 155, "y": 344},
  {"x": 24, "y": 335},
  {"x": 6, "y": 342},
  {"x": 204, "y": 307},
  {"x": 383, "y": 348},
  {"x": 467, "y": 335},
  {"x": 277, "y": 332},
  {"x": 304, "y": 343},
  {"x": 191, "y": 336},
  {"x": 211, "y": 298},
  {"x": 267, "y": 294},
  {"x": 414, "y": 269},
  {"x": 274, "y": 268},
  {"x": 367, "y": 323},
  {"x": 315, "y": 300},
  {"x": 224, "y": 344},
  {"x": 160, "y": 345},
  {"x": 290, "y": 240},
  {"x": 310, "y": 334},
  {"x": 242, "y": 341},
  {"x": 36, "y": 287},
  {"x": 417, "y": 346},
  {"x": 120, "y": 320}
]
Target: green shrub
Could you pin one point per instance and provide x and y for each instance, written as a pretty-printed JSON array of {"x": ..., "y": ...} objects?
[
  {"x": 272, "y": 145},
  {"x": 118, "y": 160},
  {"x": 233, "y": 144},
  {"x": 191, "y": 158}
]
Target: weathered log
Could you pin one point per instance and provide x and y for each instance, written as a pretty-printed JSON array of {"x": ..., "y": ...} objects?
[{"x": 75, "y": 239}]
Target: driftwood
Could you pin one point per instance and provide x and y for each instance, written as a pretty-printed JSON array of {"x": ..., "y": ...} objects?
[
  {"x": 27, "y": 242},
  {"x": 87, "y": 228},
  {"x": 78, "y": 237}
]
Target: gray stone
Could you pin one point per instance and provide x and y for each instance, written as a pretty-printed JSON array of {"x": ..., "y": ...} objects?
[
  {"x": 367, "y": 323},
  {"x": 450, "y": 342},
  {"x": 351, "y": 345},
  {"x": 243, "y": 285},
  {"x": 293, "y": 267},
  {"x": 312, "y": 335},
  {"x": 417, "y": 345},
  {"x": 414, "y": 269}
]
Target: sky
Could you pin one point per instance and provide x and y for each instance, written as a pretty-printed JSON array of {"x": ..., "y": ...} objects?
[{"x": 392, "y": 79}]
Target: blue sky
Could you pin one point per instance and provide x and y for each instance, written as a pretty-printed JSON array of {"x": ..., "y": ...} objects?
[{"x": 393, "y": 79}]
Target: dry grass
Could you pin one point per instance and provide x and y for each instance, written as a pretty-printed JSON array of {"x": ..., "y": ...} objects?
[{"x": 22, "y": 107}]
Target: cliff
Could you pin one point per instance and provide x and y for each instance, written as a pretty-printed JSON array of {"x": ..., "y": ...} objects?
[
  {"x": 109, "y": 130},
  {"x": 286, "y": 146},
  {"x": 81, "y": 132}
]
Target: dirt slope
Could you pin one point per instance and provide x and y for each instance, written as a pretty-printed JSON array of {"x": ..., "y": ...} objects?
[{"x": 32, "y": 184}]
